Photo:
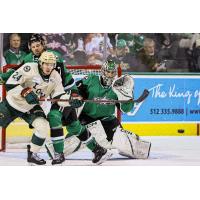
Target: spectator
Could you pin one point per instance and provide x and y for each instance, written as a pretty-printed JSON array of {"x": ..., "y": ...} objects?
[
  {"x": 119, "y": 53},
  {"x": 134, "y": 41},
  {"x": 195, "y": 57},
  {"x": 168, "y": 51},
  {"x": 94, "y": 48},
  {"x": 123, "y": 57},
  {"x": 14, "y": 55},
  {"x": 75, "y": 46},
  {"x": 79, "y": 53},
  {"x": 55, "y": 42},
  {"x": 186, "y": 53},
  {"x": 149, "y": 58}
]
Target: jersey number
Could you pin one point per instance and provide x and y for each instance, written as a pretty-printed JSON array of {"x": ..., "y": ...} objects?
[{"x": 16, "y": 76}]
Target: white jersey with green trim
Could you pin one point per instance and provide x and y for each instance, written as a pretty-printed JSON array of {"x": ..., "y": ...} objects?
[{"x": 28, "y": 75}]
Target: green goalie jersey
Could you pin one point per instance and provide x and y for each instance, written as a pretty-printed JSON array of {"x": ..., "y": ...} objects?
[{"x": 91, "y": 88}]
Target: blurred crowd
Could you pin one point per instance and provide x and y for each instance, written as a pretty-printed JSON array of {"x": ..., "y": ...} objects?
[{"x": 135, "y": 52}]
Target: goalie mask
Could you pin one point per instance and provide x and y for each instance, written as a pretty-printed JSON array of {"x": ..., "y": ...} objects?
[{"x": 108, "y": 72}]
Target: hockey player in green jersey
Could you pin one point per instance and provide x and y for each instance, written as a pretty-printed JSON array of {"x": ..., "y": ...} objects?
[
  {"x": 36, "y": 45},
  {"x": 24, "y": 88},
  {"x": 100, "y": 117}
]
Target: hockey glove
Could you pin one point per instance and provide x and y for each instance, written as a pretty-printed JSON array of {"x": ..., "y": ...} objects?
[
  {"x": 30, "y": 96},
  {"x": 76, "y": 100},
  {"x": 123, "y": 87}
]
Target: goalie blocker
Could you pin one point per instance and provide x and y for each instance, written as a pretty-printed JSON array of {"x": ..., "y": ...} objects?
[{"x": 124, "y": 142}]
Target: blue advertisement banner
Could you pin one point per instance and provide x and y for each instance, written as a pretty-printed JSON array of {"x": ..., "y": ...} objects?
[{"x": 171, "y": 99}]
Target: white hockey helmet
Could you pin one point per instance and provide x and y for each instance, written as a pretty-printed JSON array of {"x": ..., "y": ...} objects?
[
  {"x": 47, "y": 57},
  {"x": 108, "y": 67}
]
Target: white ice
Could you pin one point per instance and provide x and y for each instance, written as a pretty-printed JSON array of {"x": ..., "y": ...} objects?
[{"x": 174, "y": 151}]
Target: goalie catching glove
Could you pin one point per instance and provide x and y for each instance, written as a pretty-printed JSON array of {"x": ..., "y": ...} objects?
[
  {"x": 123, "y": 87},
  {"x": 30, "y": 96}
]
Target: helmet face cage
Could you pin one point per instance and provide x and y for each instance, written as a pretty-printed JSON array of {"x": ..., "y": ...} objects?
[{"x": 108, "y": 66}]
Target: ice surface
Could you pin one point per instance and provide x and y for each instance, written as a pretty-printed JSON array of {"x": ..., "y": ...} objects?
[{"x": 175, "y": 151}]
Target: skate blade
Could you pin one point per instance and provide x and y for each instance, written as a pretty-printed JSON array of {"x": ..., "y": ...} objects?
[
  {"x": 33, "y": 164},
  {"x": 105, "y": 157},
  {"x": 60, "y": 164}
]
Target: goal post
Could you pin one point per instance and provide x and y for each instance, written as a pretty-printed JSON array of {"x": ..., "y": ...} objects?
[{"x": 77, "y": 72}]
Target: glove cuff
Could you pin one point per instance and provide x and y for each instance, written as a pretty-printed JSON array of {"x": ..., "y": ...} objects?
[{"x": 26, "y": 91}]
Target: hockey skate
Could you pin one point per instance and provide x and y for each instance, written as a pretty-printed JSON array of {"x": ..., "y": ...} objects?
[
  {"x": 33, "y": 158},
  {"x": 101, "y": 154},
  {"x": 58, "y": 159}
]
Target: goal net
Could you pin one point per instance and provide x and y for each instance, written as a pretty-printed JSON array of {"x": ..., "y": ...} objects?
[{"x": 18, "y": 133}]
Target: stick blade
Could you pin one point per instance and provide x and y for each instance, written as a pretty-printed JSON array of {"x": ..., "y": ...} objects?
[{"x": 143, "y": 96}]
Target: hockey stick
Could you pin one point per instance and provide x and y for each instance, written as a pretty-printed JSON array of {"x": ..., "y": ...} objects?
[{"x": 142, "y": 97}]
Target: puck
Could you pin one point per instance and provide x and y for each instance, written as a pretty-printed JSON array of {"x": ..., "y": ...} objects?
[{"x": 181, "y": 130}]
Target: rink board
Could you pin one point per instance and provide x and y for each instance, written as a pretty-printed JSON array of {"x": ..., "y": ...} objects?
[
  {"x": 19, "y": 128},
  {"x": 172, "y": 98}
]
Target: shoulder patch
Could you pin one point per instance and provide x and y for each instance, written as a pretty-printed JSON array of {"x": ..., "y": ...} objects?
[{"x": 27, "y": 68}]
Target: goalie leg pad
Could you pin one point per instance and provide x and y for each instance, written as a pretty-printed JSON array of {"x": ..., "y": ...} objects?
[
  {"x": 73, "y": 143},
  {"x": 129, "y": 145},
  {"x": 98, "y": 132}
]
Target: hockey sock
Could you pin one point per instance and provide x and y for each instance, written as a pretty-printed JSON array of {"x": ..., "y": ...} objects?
[
  {"x": 75, "y": 128},
  {"x": 91, "y": 144},
  {"x": 87, "y": 139},
  {"x": 57, "y": 137},
  {"x": 37, "y": 142}
]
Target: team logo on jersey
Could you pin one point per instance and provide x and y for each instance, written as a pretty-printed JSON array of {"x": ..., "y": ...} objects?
[
  {"x": 27, "y": 68},
  {"x": 104, "y": 101},
  {"x": 1, "y": 115}
]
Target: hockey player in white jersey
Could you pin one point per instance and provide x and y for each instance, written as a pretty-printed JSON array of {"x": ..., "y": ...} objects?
[{"x": 24, "y": 88}]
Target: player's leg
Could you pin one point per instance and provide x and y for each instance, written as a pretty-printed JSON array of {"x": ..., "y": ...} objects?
[
  {"x": 79, "y": 137},
  {"x": 100, "y": 154},
  {"x": 6, "y": 114},
  {"x": 70, "y": 145},
  {"x": 37, "y": 119},
  {"x": 72, "y": 142},
  {"x": 57, "y": 134}
]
